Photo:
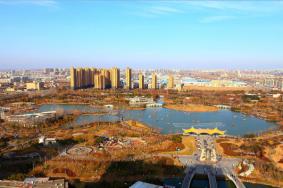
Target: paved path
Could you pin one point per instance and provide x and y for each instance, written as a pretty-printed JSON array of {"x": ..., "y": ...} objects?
[
  {"x": 212, "y": 179},
  {"x": 222, "y": 167},
  {"x": 233, "y": 177},
  {"x": 188, "y": 178}
]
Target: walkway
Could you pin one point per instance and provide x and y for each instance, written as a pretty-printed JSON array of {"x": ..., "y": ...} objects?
[
  {"x": 233, "y": 177},
  {"x": 188, "y": 178},
  {"x": 212, "y": 179},
  {"x": 210, "y": 167}
]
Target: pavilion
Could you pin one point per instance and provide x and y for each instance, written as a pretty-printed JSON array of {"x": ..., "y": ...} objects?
[{"x": 193, "y": 130}]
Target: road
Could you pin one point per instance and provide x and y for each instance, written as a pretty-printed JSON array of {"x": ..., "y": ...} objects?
[{"x": 212, "y": 168}]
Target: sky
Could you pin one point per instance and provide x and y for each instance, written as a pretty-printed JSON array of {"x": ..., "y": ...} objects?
[{"x": 141, "y": 34}]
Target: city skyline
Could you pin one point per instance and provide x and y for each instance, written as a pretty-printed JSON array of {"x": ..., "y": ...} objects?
[{"x": 143, "y": 34}]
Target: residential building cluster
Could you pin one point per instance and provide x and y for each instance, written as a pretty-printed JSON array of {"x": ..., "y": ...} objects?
[
  {"x": 273, "y": 83},
  {"x": 32, "y": 80},
  {"x": 110, "y": 78}
]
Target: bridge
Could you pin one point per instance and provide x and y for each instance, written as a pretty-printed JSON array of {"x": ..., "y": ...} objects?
[
  {"x": 207, "y": 170},
  {"x": 193, "y": 130},
  {"x": 211, "y": 179},
  {"x": 234, "y": 178},
  {"x": 207, "y": 163},
  {"x": 188, "y": 178}
]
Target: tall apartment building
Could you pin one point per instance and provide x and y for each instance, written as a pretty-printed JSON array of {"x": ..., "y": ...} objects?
[
  {"x": 107, "y": 76},
  {"x": 93, "y": 72},
  {"x": 153, "y": 81},
  {"x": 81, "y": 77},
  {"x": 129, "y": 78},
  {"x": 141, "y": 81},
  {"x": 99, "y": 81},
  {"x": 170, "y": 82},
  {"x": 73, "y": 80},
  {"x": 115, "y": 78}
]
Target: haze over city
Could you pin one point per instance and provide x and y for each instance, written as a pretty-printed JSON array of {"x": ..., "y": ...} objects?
[
  {"x": 141, "y": 94},
  {"x": 141, "y": 34}
]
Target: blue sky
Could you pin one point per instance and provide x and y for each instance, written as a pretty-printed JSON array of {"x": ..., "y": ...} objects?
[{"x": 141, "y": 34}]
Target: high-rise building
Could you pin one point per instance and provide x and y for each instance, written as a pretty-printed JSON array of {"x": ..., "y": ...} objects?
[
  {"x": 99, "y": 81},
  {"x": 93, "y": 72},
  {"x": 79, "y": 83},
  {"x": 153, "y": 81},
  {"x": 170, "y": 82},
  {"x": 73, "y": 74},
  {"x": 141, "y": 81},
  {"x": 81, "y": 77},
  {"x": 107, "y": 75},
  {"x": 128, "y": 78},
  {"x": 115, "y": 78}
]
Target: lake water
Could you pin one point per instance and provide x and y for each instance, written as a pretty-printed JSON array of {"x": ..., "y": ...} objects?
[{"x": 172, "y": 121}]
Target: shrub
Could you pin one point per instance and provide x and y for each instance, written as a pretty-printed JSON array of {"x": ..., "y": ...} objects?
[
  {"x": 249, "y": 136},
  {"x": 177, "y": 138},
  {"x": 17, "y": 176}
]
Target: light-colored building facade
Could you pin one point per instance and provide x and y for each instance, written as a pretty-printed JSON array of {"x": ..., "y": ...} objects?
[
  {"x": 82, "y": 77},
  {"x": 34, "y": 85},
  {"x": 99, "y": 81},
  {"x": 154, "y": 81},
  {"x": 170, "y": 82},
  {"x": 107, "y": 77},
  {"x": 73, "y": 78},
  {"x": 32, "y": 119},
  {"x": 129, "y": 78},
  {"x": 115, "y": 78},
  {"x": 141, "y": 81}
]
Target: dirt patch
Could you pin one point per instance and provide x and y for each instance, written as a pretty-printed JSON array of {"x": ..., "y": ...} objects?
[
  {"x": 66, "y": 171},
  {"x": 230, "y": 149}
]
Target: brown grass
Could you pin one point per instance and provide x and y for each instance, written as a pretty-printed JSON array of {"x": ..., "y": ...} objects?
[{"x": 189, "y": 146}]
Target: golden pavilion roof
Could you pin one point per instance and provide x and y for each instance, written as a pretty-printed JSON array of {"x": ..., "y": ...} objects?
[{"x": 203, "y": 131}]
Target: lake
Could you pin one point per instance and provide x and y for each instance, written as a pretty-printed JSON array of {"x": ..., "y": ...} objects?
[{"x": 172, "y": 121}]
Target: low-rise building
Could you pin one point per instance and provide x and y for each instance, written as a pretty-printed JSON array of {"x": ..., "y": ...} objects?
[
  {"x": 35, "y": 182},
  {"x": 46, "y": 141},
  {"x": 34, "y": 85},
  {"x": 32, "y": 119},
  {"x": 2, "y": 112},
  {"x": 140, "y": 101},
  {"x": 154, "y": 105}
]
